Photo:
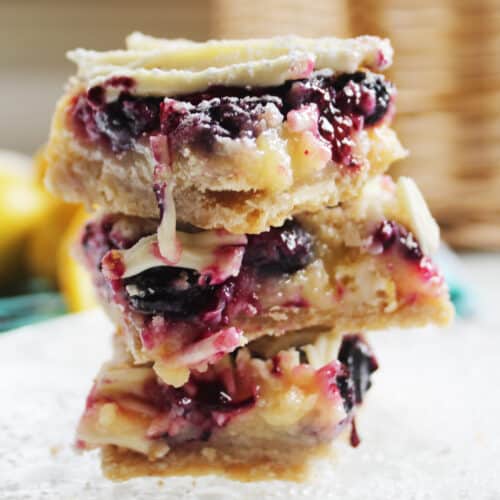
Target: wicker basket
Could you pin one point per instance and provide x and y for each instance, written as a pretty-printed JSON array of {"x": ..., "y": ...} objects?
[
  {"x": 448, "y": 76},
  {"x": 447, "y": 72}
]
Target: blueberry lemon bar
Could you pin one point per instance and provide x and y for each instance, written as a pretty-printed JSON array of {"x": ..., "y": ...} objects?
[
  {"x": 240, "y": 134},
  {"x": 242, "y": 229},
  {"x": 260, "y": 412},
  {"x": 363, "y": 265}
]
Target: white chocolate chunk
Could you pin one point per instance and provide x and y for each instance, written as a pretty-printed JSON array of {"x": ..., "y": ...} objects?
[
  {"x": 105, "y": 424},
  {"x": 168, "y": 243},
  {"x": 174, "y": 375},
  {"x": 323, "y": 350},
  {"x": 139, "y": 41},
  {"x": 200, "y": 251},
  {"x": 262, "y": 73},
  {"x": 288, "y": 407},
  {"x": 172, "y": 67},
  {"x": 331, "y": 53},
  {"x": 418, "y": 215},
  {"x": 174, "y": 370},
  {"x": 141, "y": 256}
]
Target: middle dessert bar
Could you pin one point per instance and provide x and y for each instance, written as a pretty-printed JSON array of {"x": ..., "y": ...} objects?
[{"x": 360, "y": 266}]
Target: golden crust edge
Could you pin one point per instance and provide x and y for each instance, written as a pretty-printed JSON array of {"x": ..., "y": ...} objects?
[{"x": 120, "y": 464}]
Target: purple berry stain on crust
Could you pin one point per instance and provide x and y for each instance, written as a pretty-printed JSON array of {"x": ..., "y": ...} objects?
[{"x": 346, "y": 104}]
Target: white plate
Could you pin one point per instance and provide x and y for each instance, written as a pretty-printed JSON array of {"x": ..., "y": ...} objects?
[{"x": 429, "y": 430}]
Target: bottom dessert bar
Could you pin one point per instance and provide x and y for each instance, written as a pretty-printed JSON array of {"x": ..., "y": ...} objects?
[{"x": 264, "y": 411}]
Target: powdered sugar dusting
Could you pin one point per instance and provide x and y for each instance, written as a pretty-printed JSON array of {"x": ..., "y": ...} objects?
[{"x": 421, "y": 437}]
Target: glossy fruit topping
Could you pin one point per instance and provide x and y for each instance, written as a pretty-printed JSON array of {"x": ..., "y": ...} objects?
[{"x": 346, "y": 104}]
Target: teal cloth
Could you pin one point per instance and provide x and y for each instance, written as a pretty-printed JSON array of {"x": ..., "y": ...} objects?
[
  {"x": 23, "y": 310},
  {"x": 461, "y": 293}
]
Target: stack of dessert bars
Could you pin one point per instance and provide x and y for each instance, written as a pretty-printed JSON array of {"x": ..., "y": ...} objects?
[{"x": 244, "y": 233}]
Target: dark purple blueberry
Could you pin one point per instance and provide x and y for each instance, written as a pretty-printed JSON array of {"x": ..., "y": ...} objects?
[
  {"x": 201, "y": 124},
  {"x": 409, "y": 246},
  {"x": 96, "y": 96},
  {"x": 112, "y": 124},
  {"x": 304, "y": 92},
  {"x": 346, "y": 103},
  {"x": 142, "y": 115},
  {"x": 284, "y": 249},
  {"x": 199, "y": 404},
  {"x": 365, "y": 94},
  {"x": 214, "y": 396},
  {"x": 360, "y": 361},
  {"x": 346, "y": 388},
  {"x": 390, "y": 234},
  {"x": 119, "y": 122},
  {"x": 236, "y": 116},
  {"x": 171, "y": 290},
  {"x": 178, "y": 293},
  {"x": 386, "y": 234},
  {"x": 96, "y": 241},
  {"x": 384, "y": 95}
]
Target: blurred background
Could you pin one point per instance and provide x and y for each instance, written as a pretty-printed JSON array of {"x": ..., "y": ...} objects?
[{"x": 446, "y": 68}]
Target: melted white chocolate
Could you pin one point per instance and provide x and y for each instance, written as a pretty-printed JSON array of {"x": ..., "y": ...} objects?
[
  {"x": 200, "y": 251},
  {"x": 171, "y": 67}
]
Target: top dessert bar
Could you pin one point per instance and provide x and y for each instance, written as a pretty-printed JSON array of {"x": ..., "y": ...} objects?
[{"x": 238, "y": 134}]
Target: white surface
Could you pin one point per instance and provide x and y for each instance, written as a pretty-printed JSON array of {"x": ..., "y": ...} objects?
[{"x": 429, "y": 429}]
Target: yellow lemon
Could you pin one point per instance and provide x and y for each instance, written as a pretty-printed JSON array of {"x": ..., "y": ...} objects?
[
  {"x": 74, "y": 282},
  {"x": 44, "y": 240},
  {"x": 23, "y": 205}
]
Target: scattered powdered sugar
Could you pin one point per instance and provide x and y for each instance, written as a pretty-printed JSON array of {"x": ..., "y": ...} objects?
[{"x": 429, "y": 429}]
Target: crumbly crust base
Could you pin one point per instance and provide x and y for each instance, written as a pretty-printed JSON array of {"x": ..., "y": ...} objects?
[{"x": 249, "y": 464}]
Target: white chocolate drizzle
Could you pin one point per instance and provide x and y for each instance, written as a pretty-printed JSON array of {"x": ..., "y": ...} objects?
[{"x": 172, "y": 67}]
